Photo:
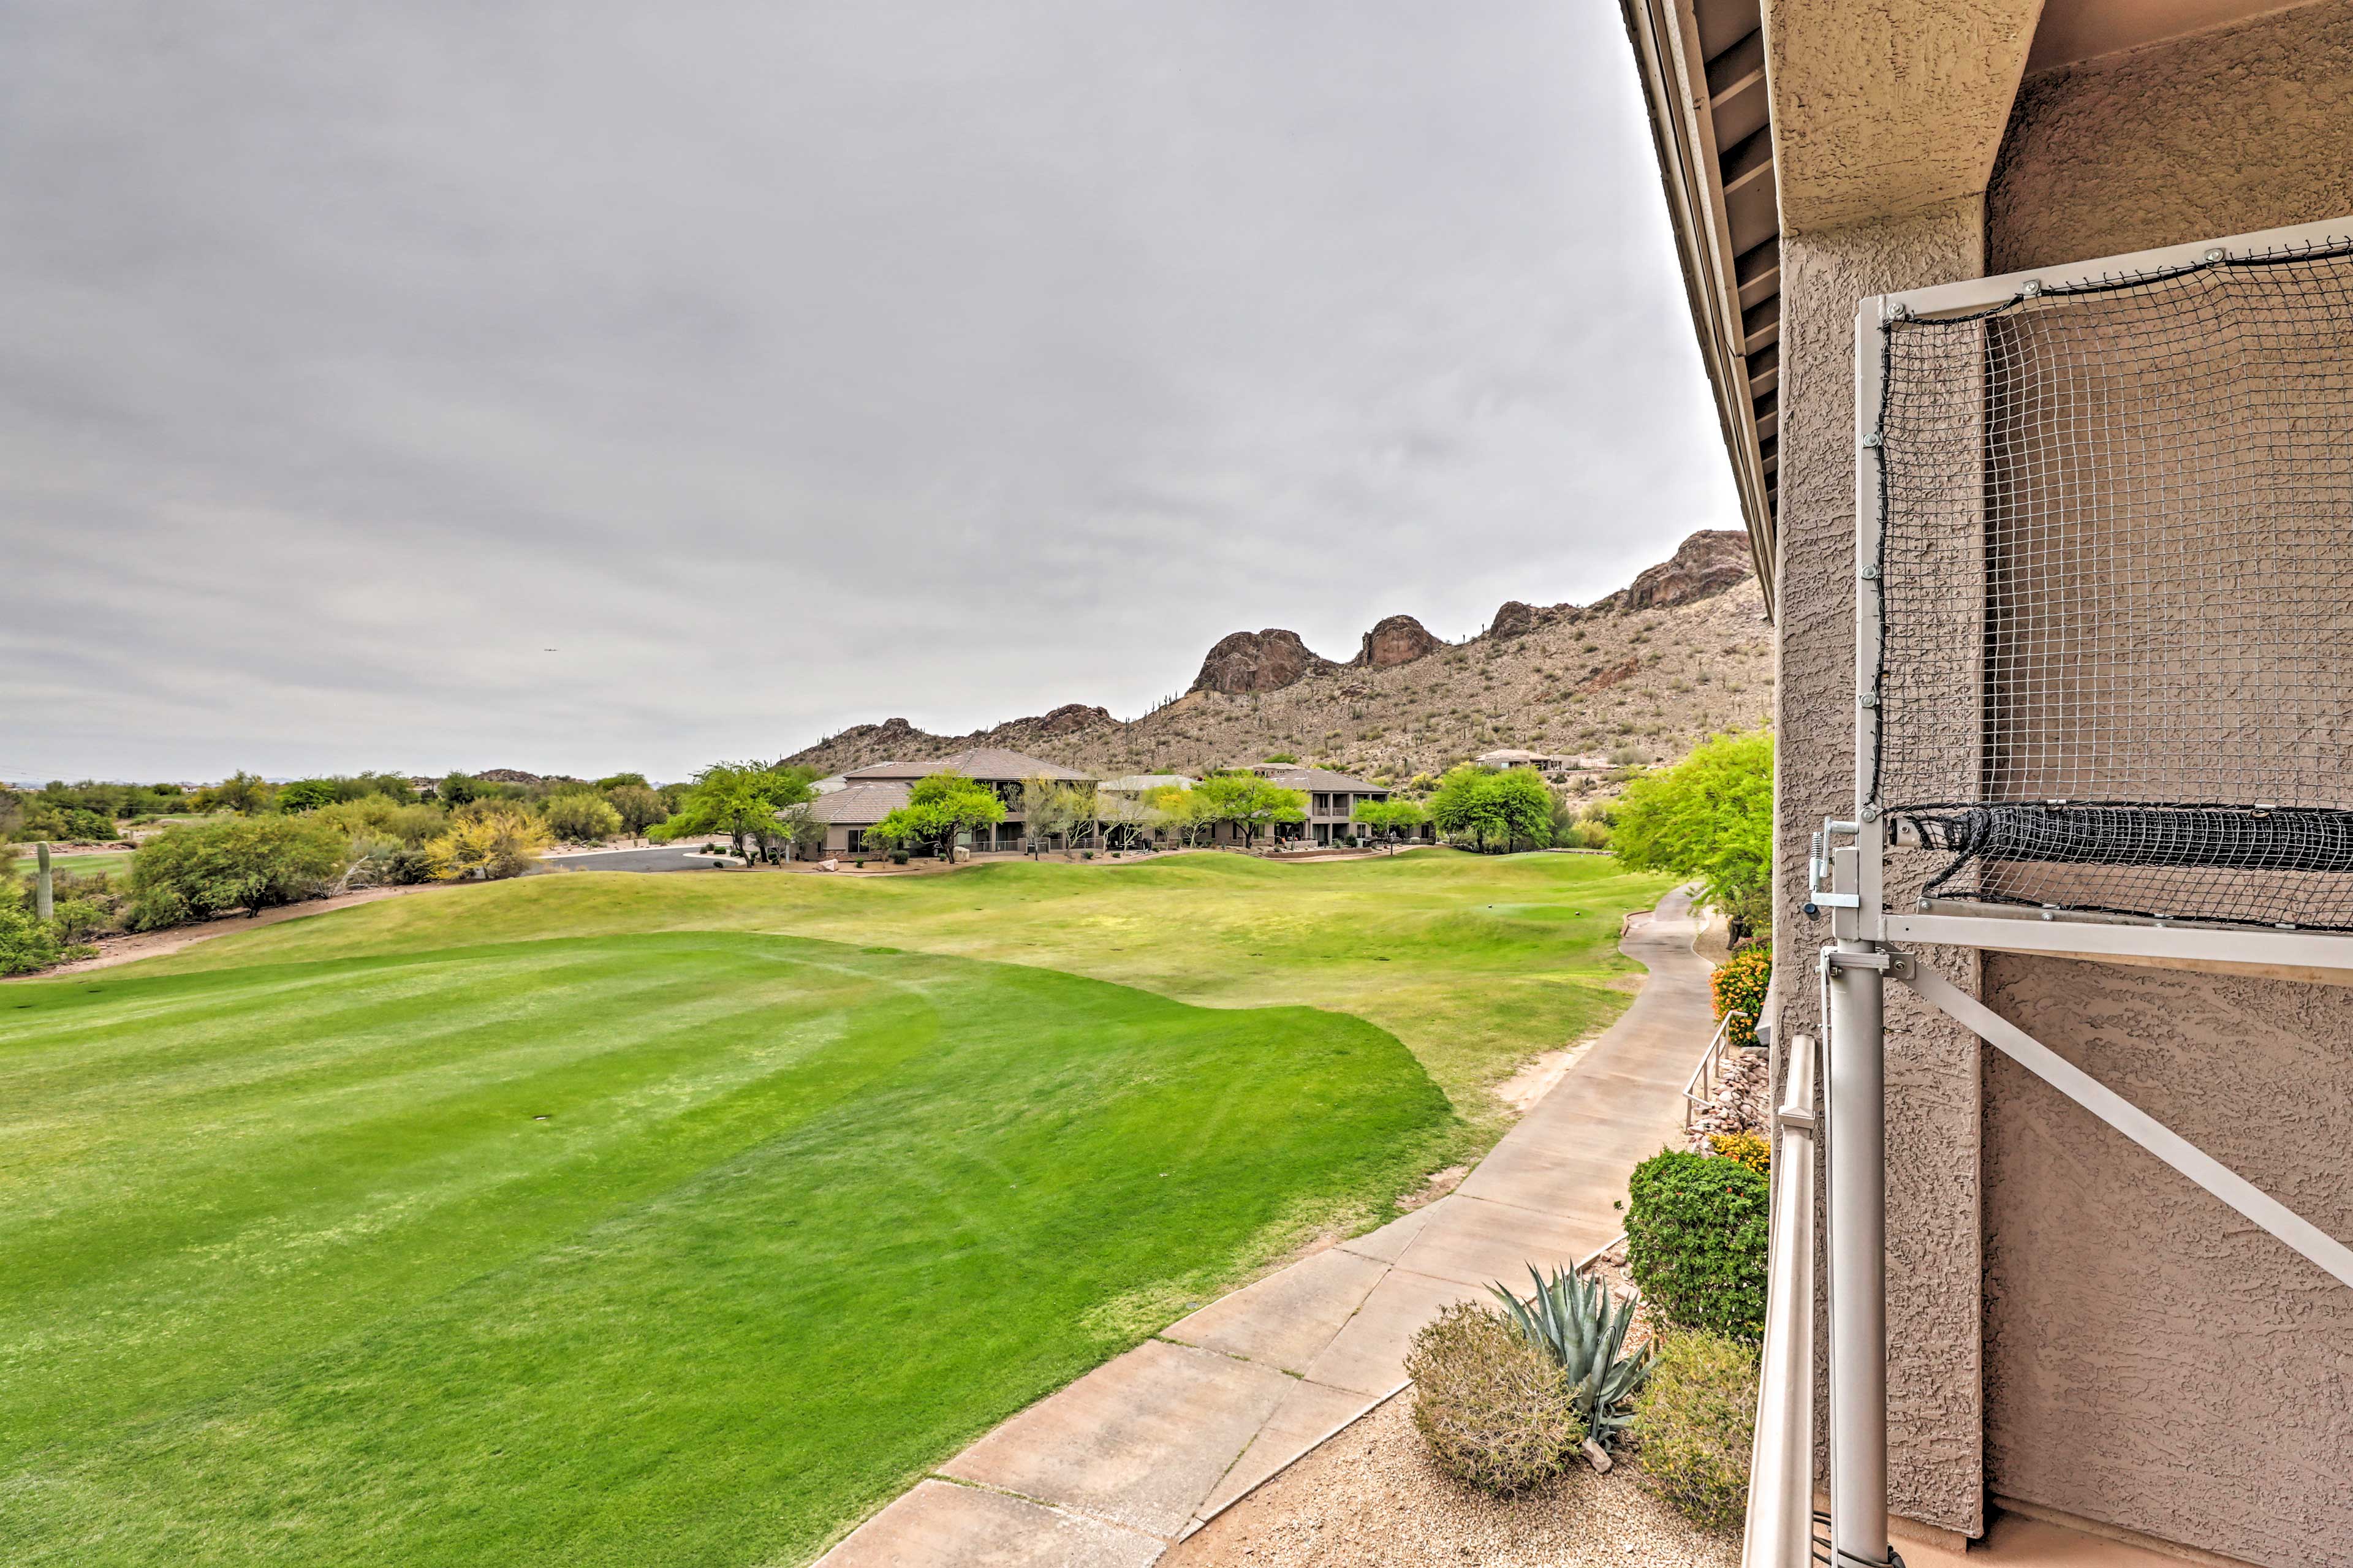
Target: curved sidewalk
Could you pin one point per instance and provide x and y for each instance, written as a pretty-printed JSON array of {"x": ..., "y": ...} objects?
[{"x": 1137, "y": 1454}]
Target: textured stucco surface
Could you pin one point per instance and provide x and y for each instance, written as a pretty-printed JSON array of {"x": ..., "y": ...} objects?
[
  {"x": 2151, "y": 1359},
  {"x": 1934, "y": 1095},
  {"x": 2246, "y": 128},
  {"x": 1891, "y": 109}
]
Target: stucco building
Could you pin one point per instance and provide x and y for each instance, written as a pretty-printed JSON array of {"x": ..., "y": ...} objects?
[
  {"x": 850, "y": 806},
  {"x": 2074, "y": 1330}
]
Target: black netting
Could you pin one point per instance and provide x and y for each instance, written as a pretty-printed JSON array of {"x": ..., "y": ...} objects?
[{"x": 2116, "y": 584}]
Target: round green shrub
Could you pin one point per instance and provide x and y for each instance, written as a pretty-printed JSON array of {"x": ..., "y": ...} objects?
[
  {"x": 1491, "y": 1406},
  {"x": 1696, "y": 1241},
  {"x": 1694, "y": 1423},
  {"x": 1738, "y": 985}
]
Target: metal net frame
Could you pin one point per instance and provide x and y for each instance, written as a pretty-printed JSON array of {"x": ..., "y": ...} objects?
[{"x": 2115, "y": 572}]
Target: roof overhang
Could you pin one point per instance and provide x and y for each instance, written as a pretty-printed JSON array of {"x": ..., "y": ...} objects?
[{"x": 1702, "y": 65}]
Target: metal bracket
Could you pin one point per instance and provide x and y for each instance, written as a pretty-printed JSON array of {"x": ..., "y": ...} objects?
[
  {"x": 1818, "y": 870},
  {"x": 1838, "y": 958},
  {"x": 2310, "y": 1242}
]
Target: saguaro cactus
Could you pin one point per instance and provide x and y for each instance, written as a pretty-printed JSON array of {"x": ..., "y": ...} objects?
[{"x": 41, "y": 904}]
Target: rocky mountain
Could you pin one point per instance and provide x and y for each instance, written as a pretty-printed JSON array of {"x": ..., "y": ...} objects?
[{"x": 1643, "y": 673}]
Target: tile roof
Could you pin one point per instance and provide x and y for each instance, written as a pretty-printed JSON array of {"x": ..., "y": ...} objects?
[
  {"x": 858, "y": 804},
  {"x": 992, "y": 763},
  {"x": 1136, "y": 783},
  {"x": 1318, "y": 778}
]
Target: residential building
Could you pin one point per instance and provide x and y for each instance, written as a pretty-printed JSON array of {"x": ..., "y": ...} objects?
[
  {"x": 1555, "y": 769},
  {"x": 863, "y": 796},
  {"x": 2074, "y": 1330},
  {"x": 1331, "y": 800}
]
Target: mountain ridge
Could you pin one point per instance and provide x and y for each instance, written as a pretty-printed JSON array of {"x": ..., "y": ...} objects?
[{"x": 1556, "y": 678}]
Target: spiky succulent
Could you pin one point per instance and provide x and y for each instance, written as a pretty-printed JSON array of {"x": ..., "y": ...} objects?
[{"x": 1582, "y": 1327}]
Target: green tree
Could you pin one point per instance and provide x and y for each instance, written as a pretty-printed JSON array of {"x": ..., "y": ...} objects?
[
  {"x": 612, "y": 782},
  {"x": 196, "y": 870},
  {"x": 580, "y": 816},
  {"x": 1521, "y": 801},
  {"x": 242, "y": 793},
  {"x": 739, "y": 799},
  {"x": 1709, "y": 818},
  {"x": 1494, "y": 810},
  {"x": 948, "y": 804},
  {"x": 306, "y": 794},
  {"x": 1391, "y": 819},
  {"x": 1249, "y": 803},
  {"x": 637, "y": 806}
]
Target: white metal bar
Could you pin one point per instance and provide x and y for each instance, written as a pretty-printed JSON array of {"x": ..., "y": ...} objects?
[
  {"x": 1857, "y": 1103},
  {"x": 2026, "y": 933},
  {"x": 1977, "y": 293},
  {"x": 1780, "y": 1524},
  {"x": 2317, "y": 1245}
]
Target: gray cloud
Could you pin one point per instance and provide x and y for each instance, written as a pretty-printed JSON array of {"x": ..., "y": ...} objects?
[{"x": 790, "y": 365}]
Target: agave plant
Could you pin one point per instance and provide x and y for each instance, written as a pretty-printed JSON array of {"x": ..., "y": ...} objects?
[{"x": 1577, "y": 1323}]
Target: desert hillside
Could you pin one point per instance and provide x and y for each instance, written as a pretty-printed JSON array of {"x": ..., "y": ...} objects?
[{"x": 1646, "y": 672}]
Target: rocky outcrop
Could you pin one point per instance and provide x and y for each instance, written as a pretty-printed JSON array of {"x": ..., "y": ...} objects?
[
  {"x": 1395, "y": 640},
  {"x": 1513, "y": 619},
  {"x": 1602, "y": 681},
  {"x": 1069, "y": 719},
  {"x": 1258, "y": 661},
  {"x": 1707, "y": 563}
]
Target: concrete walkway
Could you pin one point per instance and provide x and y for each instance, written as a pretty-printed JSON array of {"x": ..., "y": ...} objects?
[{"x": 1136, "y": 1455}]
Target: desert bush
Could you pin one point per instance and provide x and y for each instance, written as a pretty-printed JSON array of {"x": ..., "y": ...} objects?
[
  {"x": 27, "y": 944},
  {"x": 1581, "y": 1327},
  {"x": 252, "y": 863},
  {"x": 77, "y": 919},
  {"x": 1491, "y": 1406},
  {"x": 1738, "y": 985},
  {"x": 496, "y": 840},
  {"x": 1696, "y": 1241},
  {"x": 1696, "y": 1422},
  {"x": 580, "y": 818},
  {"x": 1745, "y": 1147}
]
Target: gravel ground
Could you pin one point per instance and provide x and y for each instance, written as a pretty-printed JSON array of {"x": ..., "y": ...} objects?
[{"x": 1370, "y": 1498}]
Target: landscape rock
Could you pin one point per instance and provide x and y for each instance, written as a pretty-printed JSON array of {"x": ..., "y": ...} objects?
[
  {"x": 1395, "y": 640},
  {"x": 1707, "y": 563},
  {"x": 1245, "y": 662}
]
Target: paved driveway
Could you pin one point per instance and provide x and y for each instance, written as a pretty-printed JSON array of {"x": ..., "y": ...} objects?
[{"x": 1140, "y": 1452}]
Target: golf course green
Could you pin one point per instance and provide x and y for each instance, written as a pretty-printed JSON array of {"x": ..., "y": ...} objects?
[{"x": 685, "y": 1219}]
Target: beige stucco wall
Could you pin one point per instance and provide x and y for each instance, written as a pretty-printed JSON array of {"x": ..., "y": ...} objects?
[
  {"x": 2220, "y": 133},
  {"x": 2151, "y": 1359},
  {"x": 1934, "y": 1094}
]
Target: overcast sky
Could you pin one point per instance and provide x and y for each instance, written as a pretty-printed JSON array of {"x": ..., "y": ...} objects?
[{"x": 782, "y": 366}]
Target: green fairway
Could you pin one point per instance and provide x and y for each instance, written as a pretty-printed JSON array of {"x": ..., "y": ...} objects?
[
  {"x": 1476, "y": 962},
  {"x": 597, "y": 1219},
  {"x": 298, "y": 1271}
]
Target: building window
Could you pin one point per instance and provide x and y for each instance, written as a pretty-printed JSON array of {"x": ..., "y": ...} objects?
[{"x": 856, "y": 839}]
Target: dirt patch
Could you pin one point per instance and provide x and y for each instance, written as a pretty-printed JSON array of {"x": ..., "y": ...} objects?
[
  {"x": 1371, "y": 1498},
  {"x": 1536, "y": 1078},
  {"x": 1440, "y": 1182},
  {"x": 114, "y": 950}
]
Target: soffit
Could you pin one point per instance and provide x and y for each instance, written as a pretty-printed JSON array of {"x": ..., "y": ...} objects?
[{"x": 1886, "y": 108}]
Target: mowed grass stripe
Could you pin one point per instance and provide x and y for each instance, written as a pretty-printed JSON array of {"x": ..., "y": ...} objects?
[{"x": 759, "y": 1270}]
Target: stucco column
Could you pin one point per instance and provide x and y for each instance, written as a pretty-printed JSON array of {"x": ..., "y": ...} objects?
[{"x": 1935, "y": 1465}]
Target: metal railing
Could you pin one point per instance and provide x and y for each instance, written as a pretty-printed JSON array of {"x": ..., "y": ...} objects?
[
  {"x": 1699, "y": 1090},
  {"x": 1780, "y": 1526}
]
